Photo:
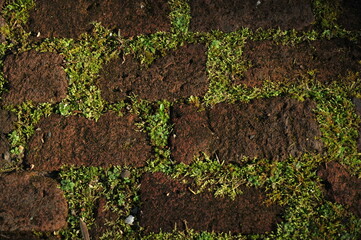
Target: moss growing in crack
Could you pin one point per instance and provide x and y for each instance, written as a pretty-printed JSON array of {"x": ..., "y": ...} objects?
[
  {"x": 85, "y": 185},
  {"x": 28, "y": 115},
  {"x": 225, "y": 63},
  {"x": 292, "y": 183},
  {"x": 326, "y": 13},
  {"x": 339, "y": 124},
  {"x": 16, "y": 13},
  {"x": 179, "y": 16},
  {"x": 150, "y": 47},
  {"x": 155, "y": 120},
  {"x": 83, "y": 60},
  {"x": 3, "y": 81}
]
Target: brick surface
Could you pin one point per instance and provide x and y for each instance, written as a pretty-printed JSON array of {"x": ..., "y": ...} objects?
[
  {"x": 341, "y": 187},
  {"x": 274, "y": 128},
  {"x": 34, "y": 76},
  {"x": 29, "y": 202},
  {"x": 179, "y": 74},
  {"x": 168, "y": 204},
  {"x": 350, "y": 17},
  {"x": 191, "y": 133},
  {"x": 112, "y": 140},
  {"x": 329, "y": 60},
  {"x": 232, "y": 15},
  {"x": 70, "y": 18}
]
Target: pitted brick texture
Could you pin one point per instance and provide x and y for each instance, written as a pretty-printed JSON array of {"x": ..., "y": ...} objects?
[
  {"x": 74, "y": 140},
  {"x": 29, "y": 202},
  {"x": 341, "y": 187},
  {"x": 350, "y": 16},
  {"x": 168, "y": 203},
  {"x": 70, "y": 18},
  {"x": 274, "y": 128},
  {"x": 34, "y": 76},
  {"x": 232, "y": 15},
  {"x": 329, "y": 60},
  {"x": 179, "y": 74}
]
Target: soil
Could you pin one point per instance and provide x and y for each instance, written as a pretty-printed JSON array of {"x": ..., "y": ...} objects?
[
  {"x": 168, "y": 204},
  {"x": 357, "y": 102},
  {"x": 75, "y": 140},
  {"x": 179, "y": 74},
  {"x": 331, "y": 61},
  {"x": 232, "y": 15},
  {"x": 70, "y": 18},
  {"x": 272, "y": 128},
  {"x": 34, "y": 76},
  {"x": 339, "y": 186},
  {"x": 29, "y": 202},
  {"x": 6, "y": 126},
  {"x": 350, "y": 17}
]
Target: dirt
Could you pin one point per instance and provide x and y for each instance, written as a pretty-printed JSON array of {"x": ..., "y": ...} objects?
[
  {"x": 7, "y": 120},
  {"x": 329, "y": 60},
  {"x": 75, "y": 140},
  {"x": 34, "y": 76},
  {"x": 168, "y": 204},
  {"x": 339, "y": 186},
  {"x": 357, "y": 102},
  {"x": 274, "y": 128},
  {"x": 179, "y": 74},
  {"x": 70, "y": 18},
  {"x": 29, "y": 202},
  {"x": 350, "y": 17},
  {"x": 228, "y": 16}
]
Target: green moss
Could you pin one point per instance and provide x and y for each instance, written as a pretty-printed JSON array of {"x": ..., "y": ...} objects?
[
  {"x": 292, "y": 183},
  {"x": 179, "y": 16},
  {"x": 16, "y": 14},
  {"x": 155, "y": 120},
  {"x": 326, "y": 13},
  {"x": 28, "y": 115}
]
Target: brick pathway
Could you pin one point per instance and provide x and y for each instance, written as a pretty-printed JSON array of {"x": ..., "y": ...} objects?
[{"x": 276, "y": 127}]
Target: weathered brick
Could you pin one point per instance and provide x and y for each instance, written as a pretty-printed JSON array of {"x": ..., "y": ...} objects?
[
  {"x": 30, "y": 202},
  {"x": 168, "y": 204},
  {"x": 232, "y": 15},
  {"x": 75, "y": 140},
  {"x": 179, "y": 74},
  {"x": 70, "y": 18},
  {"x": 34, "y": 76}
]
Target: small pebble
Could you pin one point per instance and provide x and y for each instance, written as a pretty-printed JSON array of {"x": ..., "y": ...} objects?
[
  {"x": 125, "y": 174},
  {"x": 6, "y": 156},
  {"x": 129, "y": 220}
]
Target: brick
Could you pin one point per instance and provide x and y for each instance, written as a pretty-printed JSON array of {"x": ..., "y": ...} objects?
[
  {"x": 232, "y": 15},
  {"x": 29, "y": 202},
  {"x": 179, "y": 74},
  {"x": 75, "y": 140},
  {"x": 167, "y": 203}
]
